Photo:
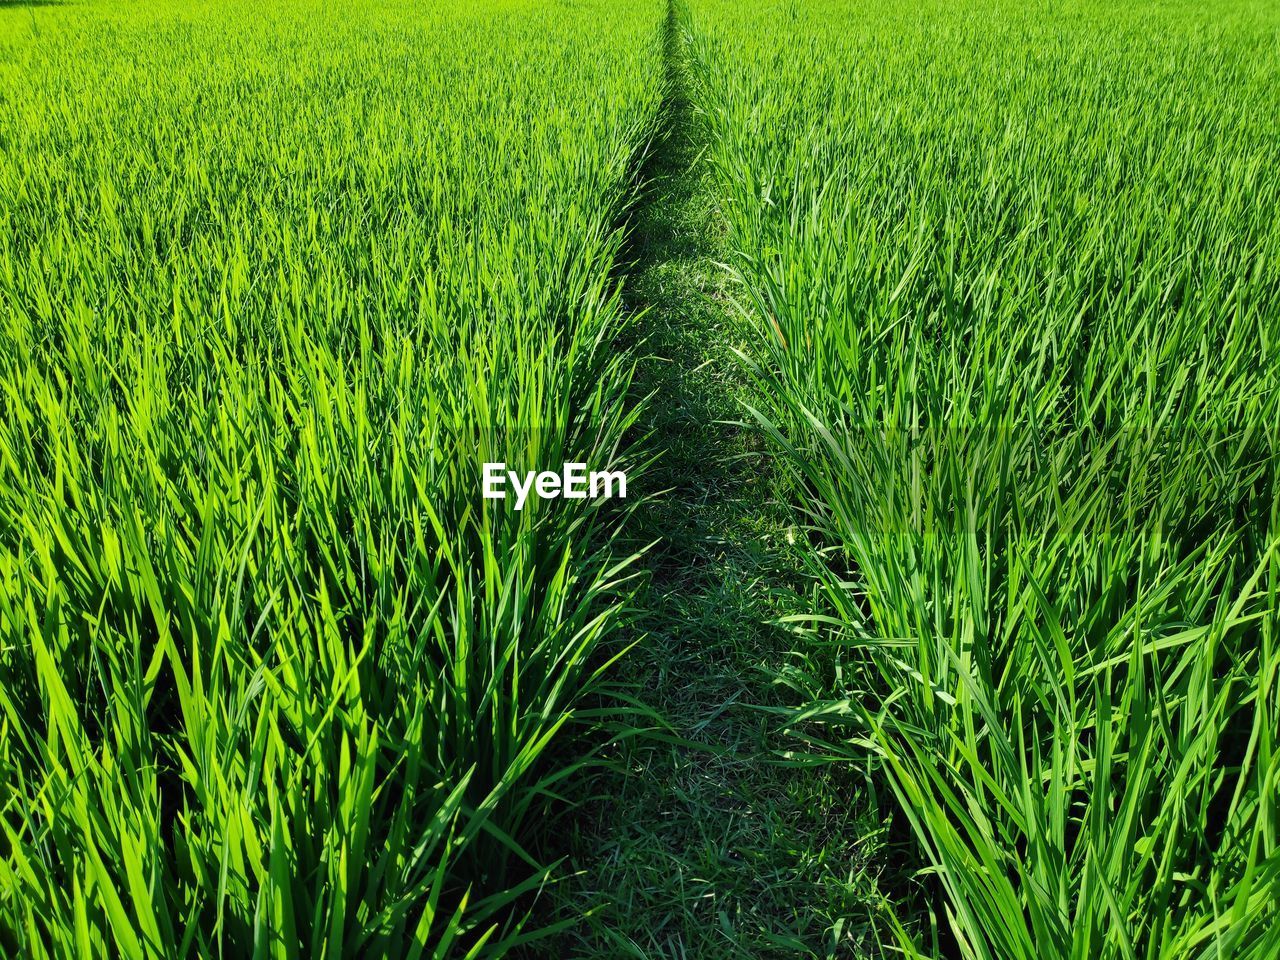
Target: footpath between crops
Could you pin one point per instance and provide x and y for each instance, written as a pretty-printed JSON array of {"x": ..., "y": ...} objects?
[{"x": 705, "y": 846}]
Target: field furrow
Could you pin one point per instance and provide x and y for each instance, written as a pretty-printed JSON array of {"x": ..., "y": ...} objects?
[{"x": 700, "y": 841}]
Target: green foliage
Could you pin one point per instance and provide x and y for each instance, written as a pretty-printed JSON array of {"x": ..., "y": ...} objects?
[
  {"x": 1012, "y": 277},
  {"x": 274, "y": 282}
]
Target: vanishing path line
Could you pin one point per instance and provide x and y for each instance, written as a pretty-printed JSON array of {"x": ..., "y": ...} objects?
[{"x": 706, "y": 847}]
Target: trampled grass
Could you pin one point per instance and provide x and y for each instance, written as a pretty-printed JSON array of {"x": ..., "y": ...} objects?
[
  {"x": 1013, "y": 278},
  {"x": 275, "y": 280}
]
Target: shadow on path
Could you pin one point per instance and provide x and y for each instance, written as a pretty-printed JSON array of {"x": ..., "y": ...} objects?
[{"x": 699, "y": 843}]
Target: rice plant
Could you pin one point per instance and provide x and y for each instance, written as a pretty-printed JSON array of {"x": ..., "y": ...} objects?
[
  {"x": 1010, "y": 280},
  {"x": 275, "y": 280}
]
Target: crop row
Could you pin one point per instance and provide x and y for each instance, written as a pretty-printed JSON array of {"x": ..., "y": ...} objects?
[
  {"x": 275, "y": 281},
  {"x": 1011, "y": 277}
]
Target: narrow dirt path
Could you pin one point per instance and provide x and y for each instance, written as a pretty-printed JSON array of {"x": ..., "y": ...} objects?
[{"x": 706, "y": 846}]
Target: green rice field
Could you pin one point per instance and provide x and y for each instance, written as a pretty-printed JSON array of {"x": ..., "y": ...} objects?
[{"x": 939, "y": 344}]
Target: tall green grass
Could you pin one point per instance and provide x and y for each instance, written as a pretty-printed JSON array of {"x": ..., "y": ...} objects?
[
  {"x": 275, "y": 281},
  {"x": 1011, "y": 282}
]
